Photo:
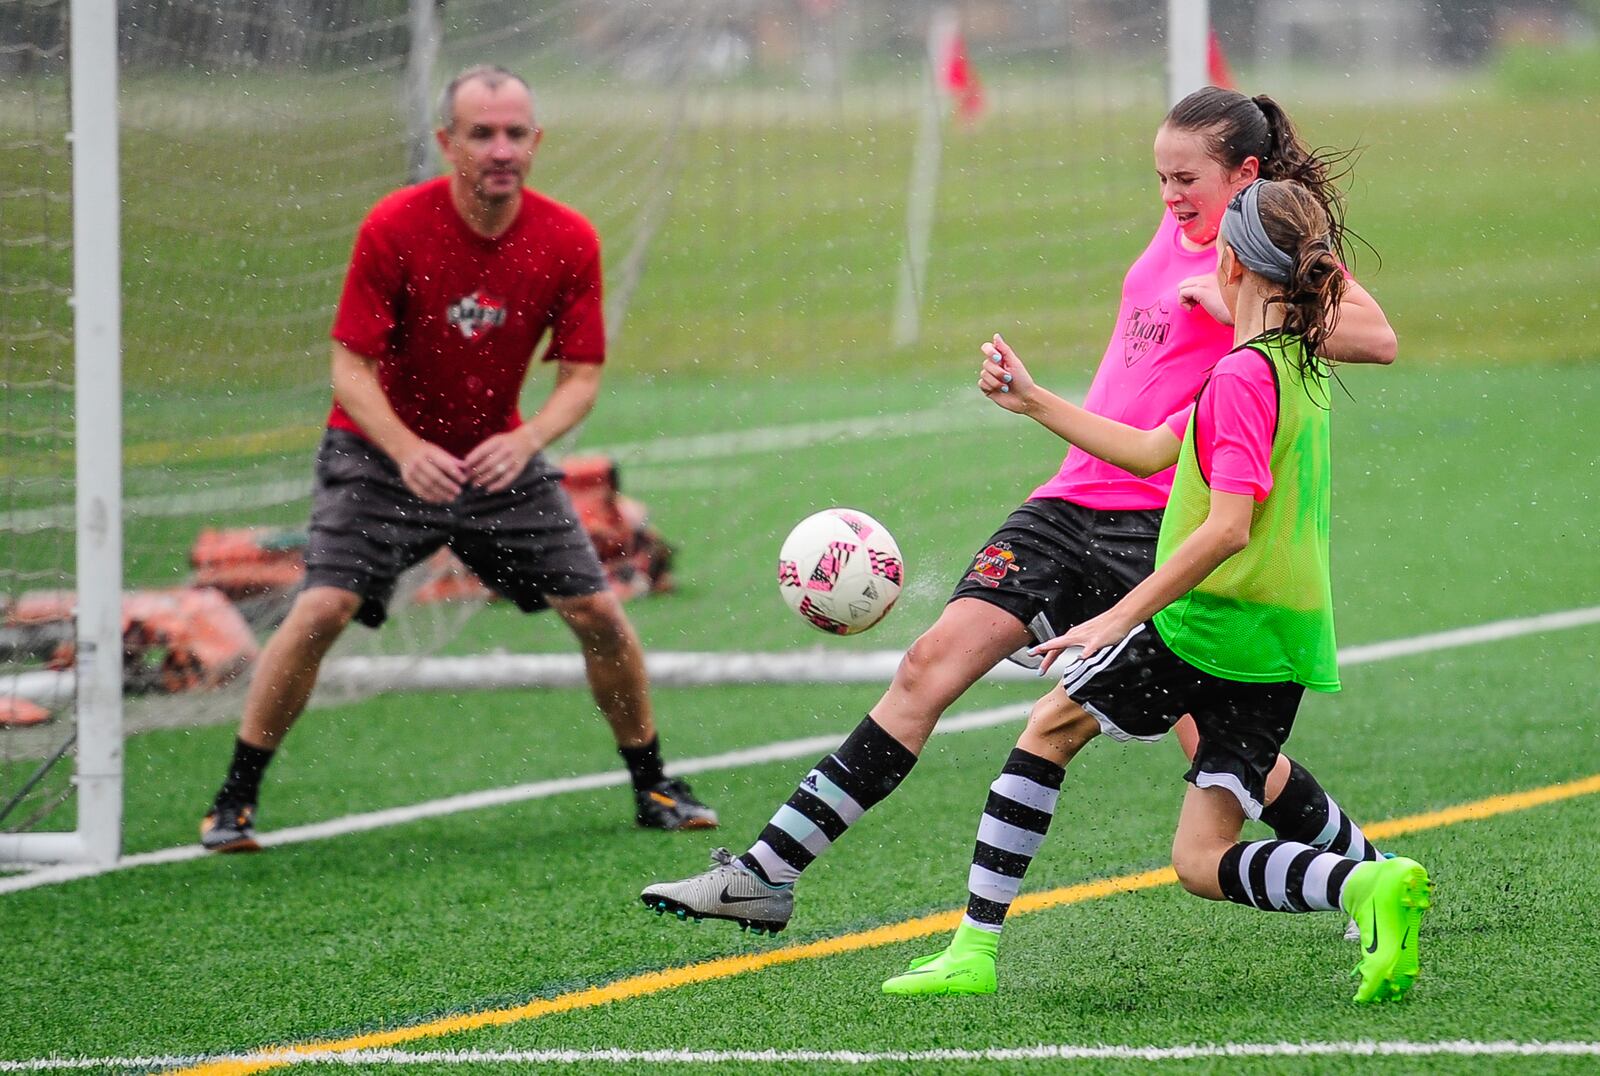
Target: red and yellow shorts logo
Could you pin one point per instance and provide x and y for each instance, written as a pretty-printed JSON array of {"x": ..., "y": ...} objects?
[{"x": 993, "y": 564}]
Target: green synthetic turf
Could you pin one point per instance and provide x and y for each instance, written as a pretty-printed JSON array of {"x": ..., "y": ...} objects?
[
  {"x": 492, "y": 908},
  {"x": 1464, "y": 493}
]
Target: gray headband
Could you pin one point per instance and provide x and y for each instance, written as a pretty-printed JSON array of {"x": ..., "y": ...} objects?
[{"x": 1242, "y": 230}]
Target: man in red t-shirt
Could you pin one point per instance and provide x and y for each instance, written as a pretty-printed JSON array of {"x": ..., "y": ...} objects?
[{"x": 451, "y": 286}]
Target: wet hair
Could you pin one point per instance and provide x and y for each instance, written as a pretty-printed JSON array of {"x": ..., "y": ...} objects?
[
  {"x": 1236, "y": 128},
  {"x": 491, "y": 75},
  {"x": 1298, "y": 225}
]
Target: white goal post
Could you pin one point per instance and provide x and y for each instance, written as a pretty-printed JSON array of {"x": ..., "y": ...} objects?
[{"x": 97, "y": 406}]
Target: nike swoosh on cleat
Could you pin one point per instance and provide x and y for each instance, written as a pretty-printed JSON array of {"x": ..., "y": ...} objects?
[
  {"x": 728, "y": 898},
  {"x": 1405, "y": 938},
  {"x": 1373, "y": 948}
]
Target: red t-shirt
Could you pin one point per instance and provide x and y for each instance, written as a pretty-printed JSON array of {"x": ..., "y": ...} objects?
[{"x": 453, "y": 318}]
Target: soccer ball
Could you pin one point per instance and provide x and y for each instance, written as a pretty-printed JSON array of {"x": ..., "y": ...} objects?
[{"x": 840, "y": 571}]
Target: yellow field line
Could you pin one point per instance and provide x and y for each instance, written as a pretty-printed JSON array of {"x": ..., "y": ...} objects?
[
  {"x": 227, "y": 446},
  {"x": 153, "y": 453},
  {"x": 655, "y": 982}
]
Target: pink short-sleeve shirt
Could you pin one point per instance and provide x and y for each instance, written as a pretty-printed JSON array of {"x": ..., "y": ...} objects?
[{"x": 1158, "y": 357}]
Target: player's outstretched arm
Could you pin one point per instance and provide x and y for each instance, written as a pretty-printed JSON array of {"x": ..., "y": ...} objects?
[
  {"x": 429, "y": 471},
  {"x": 1362, "y": 333},
  {"x": 1006, "y": 381}
]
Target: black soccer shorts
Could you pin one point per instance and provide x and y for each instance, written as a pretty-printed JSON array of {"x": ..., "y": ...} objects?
[
  {"x": 1138, "y": 689},
  {"x": 525, "y": 543},
  {"x": 1063, "y": 560}
]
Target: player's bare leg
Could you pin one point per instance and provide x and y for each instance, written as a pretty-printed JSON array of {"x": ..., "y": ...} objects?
[
  {"x": 1208, "y": 826},
  {"x": 279, "y": 689},
  {"x": 613, "y": 661},
  {"x": 969, "y": 638},
  {"x": 1058, "y": 728},
  {"x": 287, "y": 671}
]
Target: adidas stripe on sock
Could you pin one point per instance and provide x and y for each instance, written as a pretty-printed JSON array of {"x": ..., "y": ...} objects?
[
  {"x": 1303, "y": 812},
  {"x": 842, "y": 787},
  {"x": 1016, "y": 817},
  {"x": 1284, "y": 876}
]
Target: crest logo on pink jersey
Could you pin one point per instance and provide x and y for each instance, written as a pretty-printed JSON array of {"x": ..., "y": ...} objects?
[
  {"x": 474, "y": 315},
  {"x": 1147, "y": 327}
]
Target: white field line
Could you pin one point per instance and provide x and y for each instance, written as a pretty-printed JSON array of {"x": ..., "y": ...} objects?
[
  {"x": 1359, "y": 1048},
  {"x": 816, "y": 666},
  {"x": 712, "y": 668},
  {"x": 772, "y": 752}
]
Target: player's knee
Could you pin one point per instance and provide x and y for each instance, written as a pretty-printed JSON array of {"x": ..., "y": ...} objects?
[
  {"x": 598, "y": 621},
  {"x": 919, "y": 663},
  {"x": 1196, "y": 867},
  {"x": 321, "y": 613}
]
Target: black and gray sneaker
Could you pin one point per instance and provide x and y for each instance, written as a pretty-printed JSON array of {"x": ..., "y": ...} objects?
[
  {"x": 229, "y": 827},
  {"x": 727, "y": 891},
  {"x": 670, "y": 804}
]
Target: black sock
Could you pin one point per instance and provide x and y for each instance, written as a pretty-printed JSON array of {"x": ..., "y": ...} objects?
[
  {"x": 868, "y": 766},
  {"x": 644, "y": 763},
  {"x": 244, "y": 773},
  {"x": 1303, "y": 812}
]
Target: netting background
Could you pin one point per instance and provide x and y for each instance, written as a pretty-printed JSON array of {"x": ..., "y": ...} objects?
[
  {"x": 708, "y": 140},
  {"x": 36, "y": 386}
]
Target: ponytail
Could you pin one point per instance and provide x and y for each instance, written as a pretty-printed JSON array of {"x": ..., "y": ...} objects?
[
  {"x": 1289, "y": 158},
  {"x": 1297, "y": 224}
]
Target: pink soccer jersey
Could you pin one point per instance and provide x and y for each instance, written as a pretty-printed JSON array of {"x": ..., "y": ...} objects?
[{"x": 1158, "y": 357}]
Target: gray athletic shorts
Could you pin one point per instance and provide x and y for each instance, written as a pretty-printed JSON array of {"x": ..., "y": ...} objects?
[
  {"x": 367, "y": 528},
  {"x": 1138, "y": 689}
]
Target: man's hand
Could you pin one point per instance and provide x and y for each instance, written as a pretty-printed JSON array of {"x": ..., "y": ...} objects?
[
  {"x": 430, "y": 472},
  {"x": 1090, "y": 637},
  {"x": 500, "y": 460},
  {"x": 1202, "y": 291},
  {"x": 1003, "y": 378}
]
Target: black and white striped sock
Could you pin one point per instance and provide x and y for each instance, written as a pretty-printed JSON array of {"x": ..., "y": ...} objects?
[
  {"x": 868, "y": 766},
  {"x": 1303, "y": 812},
  {"x": 1284, "y": 876},
  {"x": 1016, "y": 817}
]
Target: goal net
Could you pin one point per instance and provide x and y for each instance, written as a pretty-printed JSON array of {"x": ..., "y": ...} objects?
[{"x": 712, "y": 143}]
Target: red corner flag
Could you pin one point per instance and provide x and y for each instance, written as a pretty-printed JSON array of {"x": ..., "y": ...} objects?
[
  {"x": 1217, "y": 69},
  {"x": 957, "y": 78}
]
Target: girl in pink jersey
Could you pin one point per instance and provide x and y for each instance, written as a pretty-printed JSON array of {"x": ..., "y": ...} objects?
[{"x": 1083, "y": 539}]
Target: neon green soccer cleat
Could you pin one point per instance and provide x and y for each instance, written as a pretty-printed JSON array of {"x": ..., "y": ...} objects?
[
  {"x": 966, "y": 966},
  {"x": 1387, "y": 899}
]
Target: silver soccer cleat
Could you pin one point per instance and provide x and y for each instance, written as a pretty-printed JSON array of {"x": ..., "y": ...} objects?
[{"x": 726, "y": 891}]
